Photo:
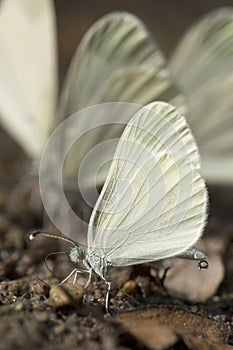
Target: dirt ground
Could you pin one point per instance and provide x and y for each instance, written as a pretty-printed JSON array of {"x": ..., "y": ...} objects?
[{"x": 37, "y": 313}]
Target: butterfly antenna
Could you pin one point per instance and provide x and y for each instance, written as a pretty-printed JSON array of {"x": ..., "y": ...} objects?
[
  {"x": 50, "y": 254},
  {"x": 35, "y": 234}
]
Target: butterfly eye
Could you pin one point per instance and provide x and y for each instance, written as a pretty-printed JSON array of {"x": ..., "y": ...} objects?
[{"x": 77, "y": 254}]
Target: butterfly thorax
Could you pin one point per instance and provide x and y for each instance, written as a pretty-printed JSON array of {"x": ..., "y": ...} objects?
[{"x": 99, "y": 264}]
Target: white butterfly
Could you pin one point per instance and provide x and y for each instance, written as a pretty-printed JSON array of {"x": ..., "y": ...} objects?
[
  {"x": 202, "y": 66},
  {"x": 28, "y": 72},
  {"x": 153, "y": 203}
]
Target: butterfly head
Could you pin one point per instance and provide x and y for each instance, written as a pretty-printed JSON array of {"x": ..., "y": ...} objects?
[{"x": 77, "y": 253}]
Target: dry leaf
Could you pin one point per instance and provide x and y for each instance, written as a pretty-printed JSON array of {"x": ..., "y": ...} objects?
[{"x": 160, "y": 326}]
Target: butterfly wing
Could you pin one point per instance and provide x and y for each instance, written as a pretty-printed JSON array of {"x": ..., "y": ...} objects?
[
  {"x": 153, "y": 203},
  {"x": 117, "y": 61},
  {"x": 116, "y": 42},
  {"x": 202, "y": 66},
  {"x": 28, "y": 72}
]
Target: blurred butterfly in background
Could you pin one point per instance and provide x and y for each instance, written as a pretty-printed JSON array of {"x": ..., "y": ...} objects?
[
  {"x": 28, "y": 84},
  {"x": 28, "y": 72},
  {"x": 202, "y": 67}
]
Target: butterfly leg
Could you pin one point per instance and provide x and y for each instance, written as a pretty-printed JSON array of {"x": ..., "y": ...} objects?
[
  {"x": 75, "y": 272},
  {"x": 89, "y": 278},
  {"x": 66, "y": 279},
  {"x": 107, "y": 295}
]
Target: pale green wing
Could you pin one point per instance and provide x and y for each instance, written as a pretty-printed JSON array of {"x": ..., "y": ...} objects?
[
  {"x": 153, "y": 203},
  {"x": 138, "y": 85},
  {"x": 28, "y": 71},
  {"x": 117, "y": 61},
  {"x": 202, "y": 66},
  {"x": 116, "y": 42}
]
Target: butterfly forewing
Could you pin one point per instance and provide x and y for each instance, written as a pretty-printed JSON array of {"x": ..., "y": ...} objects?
[{"x": 153, "y": 193}]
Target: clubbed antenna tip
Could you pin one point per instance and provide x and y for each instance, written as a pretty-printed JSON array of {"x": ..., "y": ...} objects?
[
  {"x": 50, "y": 235},
  {"x": 33, "y": 235}
]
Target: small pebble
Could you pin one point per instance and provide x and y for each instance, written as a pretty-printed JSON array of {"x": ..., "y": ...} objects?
[
  {"x": 19, "y": 306},
  {"x": 129, "y": 287},
  {"x": 14, "y": 299},
  {"x": 75, "y": 290},
  {"x": 59, "y": 329},
  {"x": 65, "y": 295},
  {"x": 58, "y": 297}
]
